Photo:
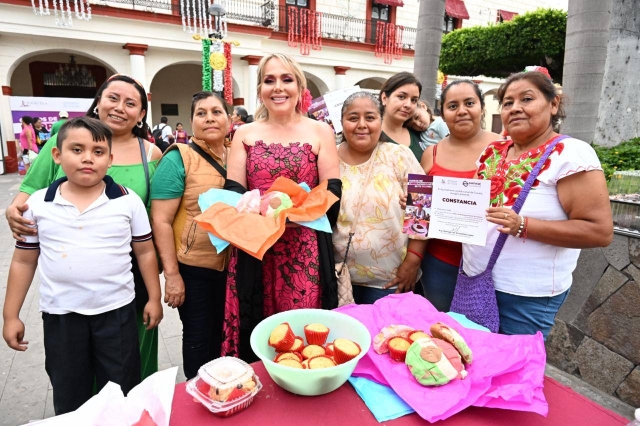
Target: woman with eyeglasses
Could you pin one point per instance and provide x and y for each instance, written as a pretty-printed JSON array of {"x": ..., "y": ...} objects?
[
  {"x": 195, "y": 273},
  {"x": 120, "y": 103}
]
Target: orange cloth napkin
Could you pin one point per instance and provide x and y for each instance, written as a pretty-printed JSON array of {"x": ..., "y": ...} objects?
[{"x": 254, "y": 233}]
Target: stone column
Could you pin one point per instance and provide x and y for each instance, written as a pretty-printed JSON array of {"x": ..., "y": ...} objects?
[
  {"x": 341, "y": 76},
  {"x": 138, "y": 69},
  {"x": 9, "y": 150},
  {"x": 252, "y": 82}
]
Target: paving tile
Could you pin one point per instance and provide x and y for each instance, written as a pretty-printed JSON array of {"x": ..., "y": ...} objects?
[{"x": 174, "y": 349}]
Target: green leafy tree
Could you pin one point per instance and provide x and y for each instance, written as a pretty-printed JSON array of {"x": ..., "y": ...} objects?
[{"x": 534, "y": 38}]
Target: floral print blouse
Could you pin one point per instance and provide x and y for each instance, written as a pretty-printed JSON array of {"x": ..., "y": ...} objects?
[{"x": 378, "y": 246}]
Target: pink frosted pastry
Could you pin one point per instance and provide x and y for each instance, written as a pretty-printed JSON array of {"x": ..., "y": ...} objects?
[
  {"x": 249, "y": 202},
  {"x": 381, "y": 341}
]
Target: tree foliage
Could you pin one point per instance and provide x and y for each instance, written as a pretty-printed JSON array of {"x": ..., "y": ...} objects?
[{"x": 534, "y": 38}]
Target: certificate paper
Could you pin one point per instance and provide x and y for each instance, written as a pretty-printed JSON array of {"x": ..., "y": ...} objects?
[{"x": 458, "y": 210}]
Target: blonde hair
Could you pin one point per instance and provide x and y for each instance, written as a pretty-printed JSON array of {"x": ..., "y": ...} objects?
[{"x": 293, "y": 66}]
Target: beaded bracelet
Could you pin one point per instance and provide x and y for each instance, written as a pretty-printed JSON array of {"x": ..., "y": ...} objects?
[
  {"x": 416, "y": 253},
  {"x": 521, "y": 227}
]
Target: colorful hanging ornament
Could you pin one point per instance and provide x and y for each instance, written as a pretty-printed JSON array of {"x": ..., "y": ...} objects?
[{"x": 206, "y": 64}]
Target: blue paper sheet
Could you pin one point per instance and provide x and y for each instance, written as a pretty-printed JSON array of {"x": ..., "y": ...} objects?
[
  {"x": 381, "y": 400},
  {"x": 212, "y": 196}
]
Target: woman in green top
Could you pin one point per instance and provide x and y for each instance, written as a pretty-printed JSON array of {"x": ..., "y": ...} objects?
[
  {"x": 195, "y": 273},
  {"x": 120, "y": 103},
  {"x": 399, "y": 98}
]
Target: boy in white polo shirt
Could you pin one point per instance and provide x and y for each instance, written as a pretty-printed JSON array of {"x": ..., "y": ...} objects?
[{"x": 86, "y": 225}]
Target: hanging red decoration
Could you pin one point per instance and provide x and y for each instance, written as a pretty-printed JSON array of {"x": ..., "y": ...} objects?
[
  {"x": 317, "y": 32},
  {"x": 379, "y": 39},
  {"x": 444, "y": 82},
  {"x": 304, "y": 31},
  {"x": 293, "y": 21},
  {"x": 305, "y": 28},
  {"x": 388, "y": 41},
  {"x": 228, "y": 80}
]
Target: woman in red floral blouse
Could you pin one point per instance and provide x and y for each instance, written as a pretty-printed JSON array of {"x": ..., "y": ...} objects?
[{"x": 567, "y": 208}]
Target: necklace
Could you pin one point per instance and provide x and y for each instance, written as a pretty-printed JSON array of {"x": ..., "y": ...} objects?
[{"x": 222, "y": 157}]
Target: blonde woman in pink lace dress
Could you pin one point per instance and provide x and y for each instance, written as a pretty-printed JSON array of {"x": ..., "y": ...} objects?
[{"x": 298, "y": 271}]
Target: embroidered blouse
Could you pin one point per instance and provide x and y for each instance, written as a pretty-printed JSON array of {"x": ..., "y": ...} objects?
[{"x": 526, "y": 267}]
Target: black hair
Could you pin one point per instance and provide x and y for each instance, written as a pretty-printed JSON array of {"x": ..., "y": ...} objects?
[
  {"x": 544, "y": 85},
  {"x": 27, "y": 120},
  {"x": 394, "y": 82},
  {"x": 477, "y": 91},
  {"x": 99, "y": 131},
  {"x": 249, "y": 119},
  {"x": 164, "y": 120},
  {"x": 242, "y": 113},
  {"x": 204, "y": 95},
  {"x": 178, "y": 124},
  {"x": 138, "y": 131},
  {"x": 359, "y": 95}
]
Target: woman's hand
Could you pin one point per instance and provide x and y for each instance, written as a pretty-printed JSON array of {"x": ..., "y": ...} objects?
[
  {"x": 173, "y": 290},
  {"x": 407, "y": 274},
  {"x": 403, "y": 201},
  {"x": 18, "y": 224},
  {"x": 508, "y": 220}
]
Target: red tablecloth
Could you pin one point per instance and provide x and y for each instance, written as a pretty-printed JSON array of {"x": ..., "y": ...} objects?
[{"x": 275, "y": 406}]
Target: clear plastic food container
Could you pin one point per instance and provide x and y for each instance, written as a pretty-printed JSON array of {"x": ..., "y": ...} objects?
[{"x": 225, "y": 386}]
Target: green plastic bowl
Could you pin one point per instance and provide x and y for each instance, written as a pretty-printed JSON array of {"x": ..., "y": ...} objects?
[{"x": 310, "y": 382}]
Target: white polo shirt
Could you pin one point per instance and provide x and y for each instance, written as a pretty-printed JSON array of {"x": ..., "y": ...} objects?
[{"x": 85, "y": 265}]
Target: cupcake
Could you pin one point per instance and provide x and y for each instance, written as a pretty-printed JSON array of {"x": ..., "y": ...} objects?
[
  {"x": 398, "y": 347},
  {"x": 290, "y": 363},
  {"x": 316, "y": 334},
  {"x": 329, "y": 349},
  {"x": 448, "y": 334},
  {"x": 418, "y": 334},
  {"x": 381, "y": 341},
  {"x": 312, "y": 350},
  {"x": 321, "y": 361},
  {"x": 345, "y": 350},
  {"x": 298, "y": 345},
  {"x": 282, "y": 338},
  {"x": 288, "y": 355}
]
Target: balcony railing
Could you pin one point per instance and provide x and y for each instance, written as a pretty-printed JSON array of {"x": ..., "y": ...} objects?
[
  {"x": 271, "y": 15},
  {"x": 157, "y": 6}
]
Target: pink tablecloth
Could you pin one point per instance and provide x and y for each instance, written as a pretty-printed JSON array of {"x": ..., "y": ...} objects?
[{"x": 275, "y": 406}]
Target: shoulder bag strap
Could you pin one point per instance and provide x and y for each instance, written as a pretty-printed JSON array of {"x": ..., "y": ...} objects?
[
  {"x": 209, "y": 159},
  {"x": 522, "y": 197},
  {"x": 367, "y": 178},
  {"x": 145, "y": 164}
]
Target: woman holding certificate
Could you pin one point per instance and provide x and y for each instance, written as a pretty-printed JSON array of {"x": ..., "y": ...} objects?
[
  {"x": 566, "y": 209},
  {"x": 454, "y": 156},
  {"x": 368, "y": 236}
]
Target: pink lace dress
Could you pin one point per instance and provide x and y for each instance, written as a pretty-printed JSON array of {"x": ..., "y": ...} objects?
[{"x": 290, "y": 269}]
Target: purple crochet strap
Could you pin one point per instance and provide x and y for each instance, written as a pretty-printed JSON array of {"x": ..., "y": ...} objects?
[{"x": 523, "y": 196}]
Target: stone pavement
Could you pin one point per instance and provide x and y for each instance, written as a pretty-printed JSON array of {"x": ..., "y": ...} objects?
[{"x": 25, "y": 391}]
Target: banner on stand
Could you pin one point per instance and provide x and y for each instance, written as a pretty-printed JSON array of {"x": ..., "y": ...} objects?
[{"x": 46, "y": 109}]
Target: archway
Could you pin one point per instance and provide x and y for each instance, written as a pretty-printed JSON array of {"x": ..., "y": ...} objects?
[
  {"x": 172, "y": 89},
  {"x": 39, "y": 74},
  {"x": 372, "y": 83},
  {"x": 492, "y": 119},
  {"x": 316, "y": 86}
]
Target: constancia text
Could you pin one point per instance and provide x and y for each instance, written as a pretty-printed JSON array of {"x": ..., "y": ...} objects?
[{"x": 457, "y": 201}]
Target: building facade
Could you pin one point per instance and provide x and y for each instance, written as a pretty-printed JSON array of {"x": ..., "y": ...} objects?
[{"x": 353, "y": 42}]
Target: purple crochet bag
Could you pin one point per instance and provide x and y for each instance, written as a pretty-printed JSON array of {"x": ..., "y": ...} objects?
[{"x": 475, "y": 297}]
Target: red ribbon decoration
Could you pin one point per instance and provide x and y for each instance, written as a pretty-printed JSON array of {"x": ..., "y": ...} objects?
[
  {"x": 388, "y": 41},
  {"x": 228, "y": 79}
]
